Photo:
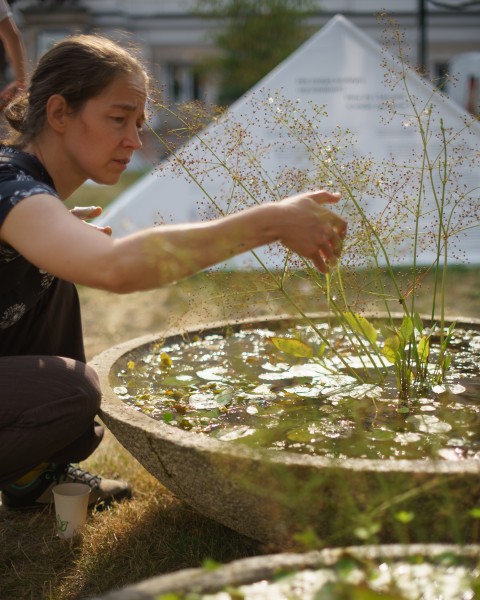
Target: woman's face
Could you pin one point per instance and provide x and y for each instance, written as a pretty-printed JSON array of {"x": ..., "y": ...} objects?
[{"x": 100, "y": 138}]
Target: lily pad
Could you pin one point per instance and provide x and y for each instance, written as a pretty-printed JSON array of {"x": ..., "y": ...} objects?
[
  {"x": 203, "y": 401},
  {"x": 213, "y": 374},
  {"x": 429, "y": 424},
  {"x": 304, "y": 391},
  {"x": 121, "y": 390},
  {"x": 381, "y": 434},
  {"x": 235, "y": 433}
]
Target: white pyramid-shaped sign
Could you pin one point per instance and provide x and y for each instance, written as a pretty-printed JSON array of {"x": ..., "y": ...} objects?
[{"x": 350, "y": 98}]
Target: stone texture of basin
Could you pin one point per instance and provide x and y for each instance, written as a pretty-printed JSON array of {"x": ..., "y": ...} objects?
[{"x": 272, "y": 495}]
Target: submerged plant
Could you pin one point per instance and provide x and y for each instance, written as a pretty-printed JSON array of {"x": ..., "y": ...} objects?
[{"x": 399, "y": 210}]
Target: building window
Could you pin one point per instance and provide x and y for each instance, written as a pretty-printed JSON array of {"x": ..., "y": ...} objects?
[
  {"x": 440, "y": 75},
  {"x": 183, "y": 83}
]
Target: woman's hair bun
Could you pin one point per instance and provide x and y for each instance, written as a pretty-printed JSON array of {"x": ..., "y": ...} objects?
[{"x": 15, "y": 111}]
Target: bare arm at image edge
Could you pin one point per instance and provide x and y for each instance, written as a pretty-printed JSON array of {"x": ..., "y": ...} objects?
[{"x": 15, "y": 51}]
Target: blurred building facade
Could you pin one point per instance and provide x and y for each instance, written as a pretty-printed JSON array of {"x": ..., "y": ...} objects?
[{"x": 174, "y": 40}]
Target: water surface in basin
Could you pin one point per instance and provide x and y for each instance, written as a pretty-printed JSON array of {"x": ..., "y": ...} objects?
[{"x": 239, "y": 387}]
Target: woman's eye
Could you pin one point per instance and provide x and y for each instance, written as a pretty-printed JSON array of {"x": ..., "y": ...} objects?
[{"x": 118, "y": 119}]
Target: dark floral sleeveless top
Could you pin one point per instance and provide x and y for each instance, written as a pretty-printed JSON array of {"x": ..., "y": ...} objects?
[{"x": 21, "y": 283}]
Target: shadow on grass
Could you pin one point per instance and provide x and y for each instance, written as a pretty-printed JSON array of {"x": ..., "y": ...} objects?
[
  {"x": 140, "y": 539},
  {"x": 132, "y": 541}
]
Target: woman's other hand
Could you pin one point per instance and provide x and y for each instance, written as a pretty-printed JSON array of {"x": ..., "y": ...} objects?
[{"x": 90, "y": 212}]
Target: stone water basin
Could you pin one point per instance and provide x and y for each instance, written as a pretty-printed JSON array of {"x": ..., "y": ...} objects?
[{"x": 271, "y": 494}]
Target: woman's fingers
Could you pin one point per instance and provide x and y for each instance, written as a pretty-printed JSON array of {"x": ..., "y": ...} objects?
[
  {"x": 323, "y": 197},
  {"x": 89, "y": 212},
  {"x": 336, "y": 243},
  {"x": 320, "y": 263},
  {"x": 86, "y": 212},
  {"x": 106, "y": 229},
  {"x": 313, "y": 230}
]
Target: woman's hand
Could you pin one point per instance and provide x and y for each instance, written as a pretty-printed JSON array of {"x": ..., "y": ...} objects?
[
  {"x": 312, "y": 230},
  {"x": 90, "y": 212}
]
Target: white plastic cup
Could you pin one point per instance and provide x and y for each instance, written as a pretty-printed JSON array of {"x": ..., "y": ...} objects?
[{"x": 71, "y": 504}]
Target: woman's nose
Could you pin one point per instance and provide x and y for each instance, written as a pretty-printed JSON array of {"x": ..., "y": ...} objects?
[{"x": 133, "y": 139}]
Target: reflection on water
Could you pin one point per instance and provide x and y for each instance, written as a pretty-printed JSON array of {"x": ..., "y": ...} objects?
[{"x": 240, "y": 388}]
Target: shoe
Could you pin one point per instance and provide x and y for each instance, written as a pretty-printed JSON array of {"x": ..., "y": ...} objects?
[{"x": 38, "y": 493}]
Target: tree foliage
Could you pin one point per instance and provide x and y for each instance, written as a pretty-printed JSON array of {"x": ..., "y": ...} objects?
[{"x": 255, "y": 37}]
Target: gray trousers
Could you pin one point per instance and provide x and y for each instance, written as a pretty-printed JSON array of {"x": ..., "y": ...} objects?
[{"x": 49, "y": 396}]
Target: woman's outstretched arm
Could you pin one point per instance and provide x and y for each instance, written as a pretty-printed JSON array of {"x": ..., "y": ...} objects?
[{"x": 47, "y": 234}]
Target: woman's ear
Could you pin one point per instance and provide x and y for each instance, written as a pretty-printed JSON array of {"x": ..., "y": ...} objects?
[{"x": 56, "y": 112}]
